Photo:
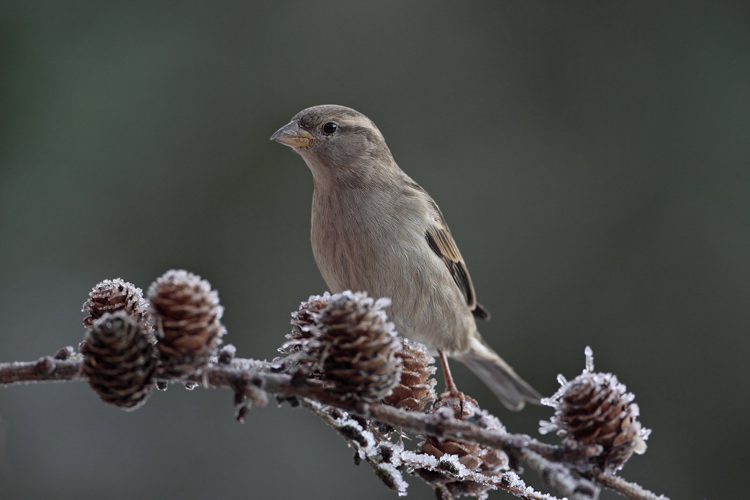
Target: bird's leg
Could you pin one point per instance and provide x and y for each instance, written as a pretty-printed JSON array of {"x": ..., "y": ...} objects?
[{"x": 450, "y": 386}]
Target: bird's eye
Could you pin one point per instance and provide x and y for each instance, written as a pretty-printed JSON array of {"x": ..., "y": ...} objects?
[{"x": 330, "y": 128}]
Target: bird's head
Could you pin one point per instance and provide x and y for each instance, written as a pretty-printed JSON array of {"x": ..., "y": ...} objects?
[{"x": 336, "y": 142}]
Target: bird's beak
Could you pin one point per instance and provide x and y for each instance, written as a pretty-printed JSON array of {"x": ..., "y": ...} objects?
[{"x": 293, "y": 136}]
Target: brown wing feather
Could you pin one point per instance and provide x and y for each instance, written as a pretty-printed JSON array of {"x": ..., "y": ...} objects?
[{"x": 442, "y": 243}]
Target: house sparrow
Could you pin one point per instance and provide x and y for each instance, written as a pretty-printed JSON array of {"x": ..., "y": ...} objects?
[{"x": 374, "y": 229}]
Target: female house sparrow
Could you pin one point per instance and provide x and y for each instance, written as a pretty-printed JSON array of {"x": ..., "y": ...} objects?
[{"x": 375, "y": 229}]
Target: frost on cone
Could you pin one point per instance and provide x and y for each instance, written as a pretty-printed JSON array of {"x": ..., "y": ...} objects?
[
  {"x": 594, "y": 409},
  {"x": 416, "y": 387},
  {"x": 354, "y": 346},
  {"x": 188, "y": 322},
  {"x": 453, "y": 455},
  {"x": 303, "y": 320},
  {"x": 115, "y": 295},
  {"x": 119, "y": 360}
]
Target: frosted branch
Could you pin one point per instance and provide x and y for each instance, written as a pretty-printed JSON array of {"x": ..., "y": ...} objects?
[
  {"x": 251, "y": 381},
  {"x": 626, "y": 488}
]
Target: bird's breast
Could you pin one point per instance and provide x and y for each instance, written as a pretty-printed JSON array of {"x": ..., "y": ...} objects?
[
  {"x": 376, "y": 244},
  {"x": 356, "y": 242}
]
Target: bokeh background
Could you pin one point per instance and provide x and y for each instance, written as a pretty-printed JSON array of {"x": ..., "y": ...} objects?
[{"x": 591, "y": 159}]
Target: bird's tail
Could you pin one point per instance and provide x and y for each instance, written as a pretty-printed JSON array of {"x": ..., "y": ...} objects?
[{"x": 511, "y": 389}]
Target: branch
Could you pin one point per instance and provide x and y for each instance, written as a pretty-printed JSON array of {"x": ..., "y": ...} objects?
[{"x": 252, "y": 380}]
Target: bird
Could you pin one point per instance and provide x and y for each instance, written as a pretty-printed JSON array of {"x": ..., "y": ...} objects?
[{"x": 375, "y": 229}]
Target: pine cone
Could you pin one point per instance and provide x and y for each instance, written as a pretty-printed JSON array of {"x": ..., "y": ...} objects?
[
  {"x": 119, "y": 360},
  {"x": 355, "y": 346},
  {"x": 416, "y": 386},
  {"x": 303, "y": 320},
  {"x": 473, "y": 456},
  {"x": 116, "y": 295},
  {"x": 188, "y": 322},
  {"x": 594, "y": 409}
]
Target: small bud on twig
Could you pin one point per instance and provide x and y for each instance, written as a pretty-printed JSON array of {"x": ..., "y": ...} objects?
[
  {"x": 188, "y": 322},
  {"x": 119, "y": 360}
]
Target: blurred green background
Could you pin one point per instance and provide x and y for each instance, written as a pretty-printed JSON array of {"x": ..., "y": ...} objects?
[{"x": 591, "y": 159}]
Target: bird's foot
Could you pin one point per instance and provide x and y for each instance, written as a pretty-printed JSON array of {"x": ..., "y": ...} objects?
[{"x": 456, "y": 400}]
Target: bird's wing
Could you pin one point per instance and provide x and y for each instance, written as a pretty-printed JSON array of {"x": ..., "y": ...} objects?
[{"x": 441, "y": 242}]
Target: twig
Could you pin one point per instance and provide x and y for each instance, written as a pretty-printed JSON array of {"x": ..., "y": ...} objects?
[
  {"x": 45, "y": 369},
  {"x": 363, "y": 442},
  {"x": 558, "y": 476},
  {"x": 386, "y": 459},
  {"x": 626, "y": 488}
]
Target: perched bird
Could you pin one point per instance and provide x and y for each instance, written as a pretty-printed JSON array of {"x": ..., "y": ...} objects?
[{"x": 374, "y": 229}]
